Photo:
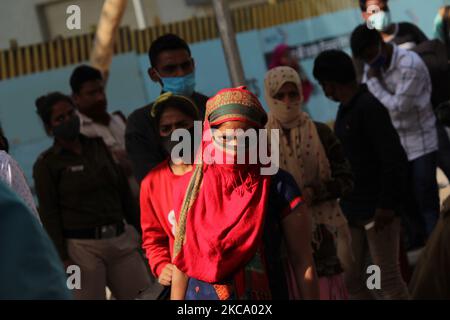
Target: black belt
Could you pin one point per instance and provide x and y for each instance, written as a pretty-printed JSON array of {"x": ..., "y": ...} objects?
[{"x": 102, "y": 232}]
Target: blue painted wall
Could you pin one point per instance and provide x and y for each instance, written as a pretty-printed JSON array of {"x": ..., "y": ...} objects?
[{"x": 129, "y": 86}]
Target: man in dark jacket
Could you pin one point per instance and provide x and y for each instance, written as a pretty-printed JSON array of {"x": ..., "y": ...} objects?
[
  {"x": 379, "y": 165},
  {"x": 173, "y": 67}
]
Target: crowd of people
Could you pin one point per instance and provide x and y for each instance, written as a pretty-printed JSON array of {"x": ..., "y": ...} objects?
[{"x": 115, "y": 201}]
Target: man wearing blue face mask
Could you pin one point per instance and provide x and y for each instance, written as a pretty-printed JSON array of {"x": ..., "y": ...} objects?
[
  {"x": 377, "y": 15},
  {"x": 173, "y": 67},
  {"x": 408, "y": 36},
  {"x": 400, "y": 80}
]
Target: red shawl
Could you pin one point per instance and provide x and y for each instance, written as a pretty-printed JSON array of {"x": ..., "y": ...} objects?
[{"x": 224, "y": 208}]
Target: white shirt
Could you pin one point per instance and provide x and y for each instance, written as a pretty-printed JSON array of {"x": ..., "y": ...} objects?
[
  {"x": 12, "y": 175},
  {"x": 113, "y": 135},
  {"x": 405, "y": 90}
]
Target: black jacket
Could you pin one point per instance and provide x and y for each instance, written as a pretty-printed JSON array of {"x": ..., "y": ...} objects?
[{"x": 378, "y": 160}]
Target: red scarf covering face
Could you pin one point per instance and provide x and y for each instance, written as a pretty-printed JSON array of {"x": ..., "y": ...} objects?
[{"x": 222, "y": 213}]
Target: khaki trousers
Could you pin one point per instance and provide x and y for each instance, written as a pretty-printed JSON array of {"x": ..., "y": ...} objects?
[
  {"x": 383, "y": 248},
  {"x": 113, "y": 262}
]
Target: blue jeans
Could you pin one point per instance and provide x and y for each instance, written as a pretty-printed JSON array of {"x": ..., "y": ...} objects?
[{"x": 423, "y": 203}]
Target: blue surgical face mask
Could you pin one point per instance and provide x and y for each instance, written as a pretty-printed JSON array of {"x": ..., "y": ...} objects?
[
  {"x": 379, "y": 60},
  {"x": 380, "y": 20},
  {"x": 183, "y": 86}
]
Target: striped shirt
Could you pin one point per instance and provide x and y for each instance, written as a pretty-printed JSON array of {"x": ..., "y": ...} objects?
[{"x": 405, "y": 90}]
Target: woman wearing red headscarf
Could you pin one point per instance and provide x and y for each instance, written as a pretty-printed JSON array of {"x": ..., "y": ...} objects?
[{"x": 233, "y": 222}]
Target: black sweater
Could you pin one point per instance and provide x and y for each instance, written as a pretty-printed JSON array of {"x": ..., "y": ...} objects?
[{"x": 378, "y": 160}]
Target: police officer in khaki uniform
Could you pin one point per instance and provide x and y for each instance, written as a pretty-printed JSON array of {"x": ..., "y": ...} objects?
[
  {"x": 89, "y": 97},
  {"x": 84, "y": 200}
]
